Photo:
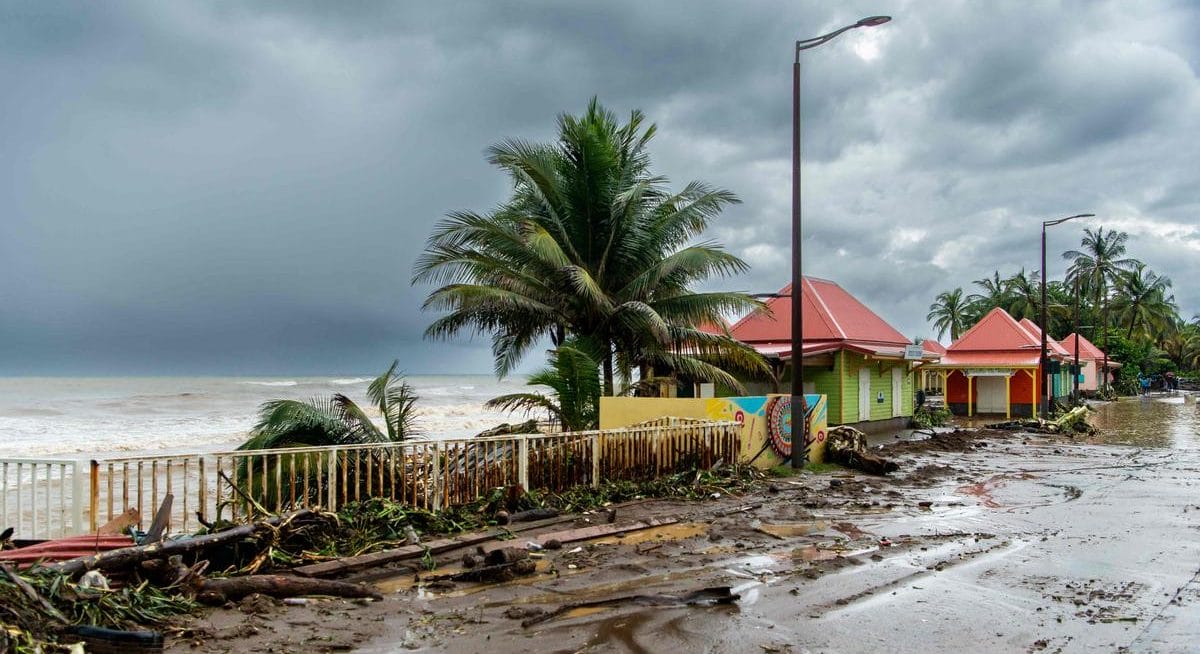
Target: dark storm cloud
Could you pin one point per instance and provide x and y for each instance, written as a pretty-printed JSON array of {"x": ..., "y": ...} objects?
[{"x": 243, "y": 187}]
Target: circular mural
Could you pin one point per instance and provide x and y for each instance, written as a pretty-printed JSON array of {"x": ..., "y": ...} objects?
[{"x": 779, "y": 425}]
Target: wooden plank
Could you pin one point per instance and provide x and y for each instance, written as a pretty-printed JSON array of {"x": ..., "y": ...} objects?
[
  {"x": 595, "y": 531},
  {"x": 363, "y": 561}
]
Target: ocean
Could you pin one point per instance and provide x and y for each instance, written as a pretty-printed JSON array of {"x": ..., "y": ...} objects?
[{"x": 80, "y": 417}]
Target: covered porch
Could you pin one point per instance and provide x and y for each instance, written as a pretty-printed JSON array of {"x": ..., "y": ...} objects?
[{"x": 1011, "y": 391}]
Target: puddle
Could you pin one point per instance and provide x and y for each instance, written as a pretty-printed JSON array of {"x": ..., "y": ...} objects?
[
  {"x": 675, "y": 532},
  {"x": 792, "y": 529},
  {"x": 407, "y": 582}
]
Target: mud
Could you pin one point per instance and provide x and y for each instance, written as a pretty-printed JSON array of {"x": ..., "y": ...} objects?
[{"x": 982, "y": 542}]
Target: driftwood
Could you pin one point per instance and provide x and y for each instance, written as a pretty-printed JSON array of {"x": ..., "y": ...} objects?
[
  {"x": 221, "y": 590},
  {"x": 702, "y": 597},
  {"x": 848, "y": 446},
  {"x": 363, "y": 561},
  {"x": 158, "y": 527},
  {"x": 130, "y": 556}
]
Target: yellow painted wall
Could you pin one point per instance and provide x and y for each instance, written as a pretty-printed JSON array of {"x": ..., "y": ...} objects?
[{"x": 753, "y": 412}]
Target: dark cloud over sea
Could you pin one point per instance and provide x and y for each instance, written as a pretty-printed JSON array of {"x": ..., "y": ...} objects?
[{"x": 243, "y": 187}]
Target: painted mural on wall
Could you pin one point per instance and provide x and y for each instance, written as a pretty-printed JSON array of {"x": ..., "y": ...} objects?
[{"x": 767, "y": 427}]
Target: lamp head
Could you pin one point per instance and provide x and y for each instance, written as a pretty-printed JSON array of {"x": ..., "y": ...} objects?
[{"x": 872, "y": 21}]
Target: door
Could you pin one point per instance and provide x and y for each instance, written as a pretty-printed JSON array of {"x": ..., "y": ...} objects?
[
  {"x": 991, "y": 394},
  {"x": 897, "y": 392},
  {"x": 864, "y": 394}
]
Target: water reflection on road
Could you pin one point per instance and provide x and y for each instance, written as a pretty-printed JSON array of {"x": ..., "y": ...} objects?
[{"x": 1155, "y": 421}]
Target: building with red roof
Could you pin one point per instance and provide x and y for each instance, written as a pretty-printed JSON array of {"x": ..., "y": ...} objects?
[
  {"x": 1091, "y": 362},
  {"x": 850, "y": 354},
  {"x": 995, "y": 367}
]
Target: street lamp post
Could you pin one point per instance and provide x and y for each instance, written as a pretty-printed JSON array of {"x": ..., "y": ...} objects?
[
  {"x": 1075, "y": 370},
  {"x": 1045, "y": 362},
  {"x": 799, "y": 406}
]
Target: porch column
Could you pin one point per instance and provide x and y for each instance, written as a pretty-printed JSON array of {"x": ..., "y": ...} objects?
[
  {"x": 1008, "y": 397},
  {"x": 970, "y": 396}
]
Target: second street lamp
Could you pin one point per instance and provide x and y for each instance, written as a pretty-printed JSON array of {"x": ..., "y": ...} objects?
[
  {"x": 1045, "y": 362},
  {"x": 799, "y": 406}
]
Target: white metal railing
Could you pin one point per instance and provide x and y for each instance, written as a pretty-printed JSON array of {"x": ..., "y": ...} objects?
[
  {"x": 42, "y": 498},
  {"x": 429, "y": 474}
]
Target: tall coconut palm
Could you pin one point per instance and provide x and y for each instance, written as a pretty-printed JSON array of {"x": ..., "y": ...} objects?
[
  {"x": 995, "y": 294},
  {"x": 1024, "y": 295},
  {"x": 591, "y": 244},
  {"x": 1097, "y": 266},
  {"x": 1141, "y": 301},
  {"x": 948, "y": 313}
]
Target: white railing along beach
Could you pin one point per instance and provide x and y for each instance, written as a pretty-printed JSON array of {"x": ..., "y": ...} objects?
[{"x": 428, "y": 474}]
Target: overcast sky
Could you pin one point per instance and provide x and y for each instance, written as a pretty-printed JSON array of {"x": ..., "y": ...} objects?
[{"x": 242, "y": 188}]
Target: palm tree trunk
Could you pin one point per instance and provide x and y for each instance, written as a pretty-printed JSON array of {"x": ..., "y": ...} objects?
[{"x": 608, "y": 368}]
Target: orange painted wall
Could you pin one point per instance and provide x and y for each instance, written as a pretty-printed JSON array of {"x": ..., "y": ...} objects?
[
  {"x": 1020, "y": 389},
  {"x": 1019, "y": 392}
]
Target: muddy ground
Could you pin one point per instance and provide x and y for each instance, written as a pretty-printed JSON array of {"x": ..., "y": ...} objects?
[{"x": 983, "y": 541}]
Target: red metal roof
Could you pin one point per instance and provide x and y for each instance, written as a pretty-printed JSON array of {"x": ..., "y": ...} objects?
[
  {"x": 1086, "y": 349},
  {"x": 997, "y": 331},
  {"x": 1051, "y": 344},
  {"x": 930, "y": 345},
  {"x": 830, "y": 315}
]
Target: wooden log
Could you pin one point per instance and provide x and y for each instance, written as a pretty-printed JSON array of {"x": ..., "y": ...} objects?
[
  {"x": 130, "y": 556},
  {"x": 363, "y": 561},
  {"x": 220, "y": 590}
]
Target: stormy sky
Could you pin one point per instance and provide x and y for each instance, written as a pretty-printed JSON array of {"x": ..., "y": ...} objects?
[{"x": 242, "y": 188}]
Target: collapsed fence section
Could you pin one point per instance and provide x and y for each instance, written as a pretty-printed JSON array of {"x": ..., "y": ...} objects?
[{"x": 427, "y": 474}]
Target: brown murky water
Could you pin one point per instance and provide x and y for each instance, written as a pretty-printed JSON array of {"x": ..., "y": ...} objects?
[{"x": 1155, "y": 421}]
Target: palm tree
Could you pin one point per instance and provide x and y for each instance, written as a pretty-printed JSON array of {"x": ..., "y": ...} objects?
[
  {"x": 1141, "y": 300},
  {"x": 995, "y": 294},
  {"x": 338, "y": 420},
  {"x": 1024, "y": 295},
  {"x": 592, "y": 245},
  {"x": 333, "y": 420},
  {"x": 948, "y": 313},
  {"x": 1096, "y": 266},
  {"x": 575, "y": 389}
]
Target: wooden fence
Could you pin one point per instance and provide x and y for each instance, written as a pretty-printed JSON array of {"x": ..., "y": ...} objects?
[{"x": 430, "y": 474}]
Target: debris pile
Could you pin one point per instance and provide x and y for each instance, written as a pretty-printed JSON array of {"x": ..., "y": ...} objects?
[
  {"x": 848, "y": 446},
  {"x": 1069, "y": 423}
]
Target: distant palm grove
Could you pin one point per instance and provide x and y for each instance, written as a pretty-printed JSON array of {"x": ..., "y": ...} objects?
[
  {"x": 1124, "y": 307},
  {"x": 595, "y": 256}
]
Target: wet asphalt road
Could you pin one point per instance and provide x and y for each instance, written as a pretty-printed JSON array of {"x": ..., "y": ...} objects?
[
  {"x": 1096, "y": 548},
  {"x": 1034, "y": 545}
]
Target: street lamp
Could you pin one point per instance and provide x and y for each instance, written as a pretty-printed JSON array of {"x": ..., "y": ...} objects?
[
  {"x": 1045, "y": 326},
  {"x": 799, "y": 406}
]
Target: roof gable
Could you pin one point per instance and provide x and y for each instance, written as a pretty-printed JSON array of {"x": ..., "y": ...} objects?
[
  {"x": 995, "y": 331},
  {"x": 1086, "y": 349},
  {"x": 1032, "y": 328},
  {"x": 830, "y": 314}
]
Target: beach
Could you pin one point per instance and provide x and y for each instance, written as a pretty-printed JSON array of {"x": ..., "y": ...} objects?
[{"x": 73, "y": 417}]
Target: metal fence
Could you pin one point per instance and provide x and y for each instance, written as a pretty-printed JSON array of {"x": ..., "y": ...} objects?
[{"x": 429, "y": 474}]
